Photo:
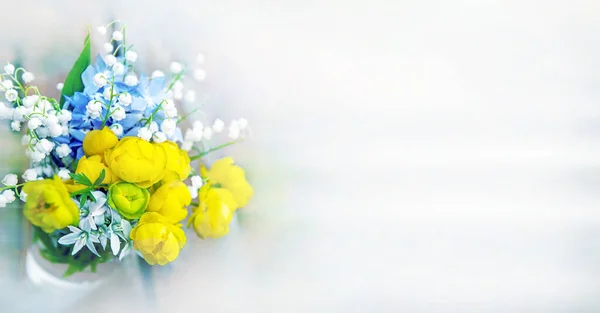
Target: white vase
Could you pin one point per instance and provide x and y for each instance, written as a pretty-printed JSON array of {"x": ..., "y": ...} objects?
[{"x": 42, "y": 272}]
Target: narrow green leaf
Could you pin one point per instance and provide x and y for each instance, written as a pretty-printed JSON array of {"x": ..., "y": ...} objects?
[
  {"x": 81, "y": 179},
  {"x": 73, "y": 82},
  {"x": 100, "y": 178}
]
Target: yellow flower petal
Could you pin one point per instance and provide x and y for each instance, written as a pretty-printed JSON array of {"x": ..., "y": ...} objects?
[
  {"x": 232, "y": 177},
  {"x": 49, "y": 205}
]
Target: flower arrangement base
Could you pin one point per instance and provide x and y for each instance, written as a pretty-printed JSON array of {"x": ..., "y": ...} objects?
[{"x": 44, "y": 273}]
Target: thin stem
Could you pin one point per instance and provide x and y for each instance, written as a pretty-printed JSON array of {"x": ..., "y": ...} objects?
[{"x": 196, "y": 157}]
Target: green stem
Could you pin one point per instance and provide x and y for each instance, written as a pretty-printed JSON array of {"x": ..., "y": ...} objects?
[{"x": 196, "y": 157}]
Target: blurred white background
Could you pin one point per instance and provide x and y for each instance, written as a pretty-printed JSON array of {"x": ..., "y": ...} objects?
[{"x": 418, "y": 156}]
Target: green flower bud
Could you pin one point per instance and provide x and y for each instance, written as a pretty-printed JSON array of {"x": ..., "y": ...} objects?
[{"x": 129, "y": 199}]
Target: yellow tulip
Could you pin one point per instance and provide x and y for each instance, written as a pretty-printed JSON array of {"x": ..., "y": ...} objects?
[
  {"x": 178, "y": 162},
  {"x": 170, "y": 201},
  {"x": 137, "y": 161},
  {"x": 96, "y": 142},
  {"x": 213, "y": 216},
  {"x": 225, "y": 174},
  {"x": 157, "y": 239},
  {"x": 92, "y": 167},
  {"x": 49, "y": 205},
  {"x": 129, "y": 199}
]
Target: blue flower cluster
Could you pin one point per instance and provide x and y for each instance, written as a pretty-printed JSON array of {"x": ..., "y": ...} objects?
[{"x": 114, "y": 97}]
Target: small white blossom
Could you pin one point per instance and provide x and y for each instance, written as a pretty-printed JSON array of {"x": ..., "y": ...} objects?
[
  {"x": 9, "y": 195},
  {"x": 168, "y": 126},
  {"x": 42, "y": 132},
  {"x": 242, "y": 123},
  {"x": 131, "y": 80},
  {"x": 19, "y": 113},
  {"x": 177, "y": 94},
  {"x": 110, "y": 60},
  {"x": 94, "y": 108},
  {"x": 9, "y": 69},
  {"x": 108, "y": 47},
  {"x": 65, "y": 129},
  {"x": 131, "y": 56},
  {"x": 15, "y": 126},
  {"x": 118, "y": 113},
  {"x": 30, "y": 101},
  {"x": 45, "y": 146},
  {"x": 207, "y": 133},
  {"x": 153, "y": 127},
  {"x": 171, "y": 113},
  {"x": 218, "y": 125},
  {"x": 100, "y": 80},
  {"x": 178, "y": 85},
  {"x": 125, "y": 99},
  {"x": 34, "y": 123},
  {"x": 28, "y": 77},
  {"x": 190, "y": 96},
  {"x": 23, "y": 196},
  {"x": 37, "y": 156},
  {"x": 60, "y": 86},
  {"x": 234, "y": 130},
  {"x": 117, "y": 129},
  {"x": 199, "y": 74},
  {"x": 10, "y": 180},
  {"x": 63, "y": 150},
  {"x": 64, "y": 116},
  {"x": 63, "y": 173},
  {"x": 109, "y": 93},
  {"x": 144, "y": 133},
  {"x": 117, "y": 35},
  {"x": 195, "y": 134},
  {"x": 7, "y": 84},
  {"x": 197, "y": 125},
  {"x": 187, "y": 145},
  {"x": 118, "y": 68},
  {"x": 168, "y": 104},
  {"x": 50, "y": 119},
  {"x": 25, "y": 140},
  {"x": 11, "y": 95},
  {"x": 102, "y": 30},
  {"x": 200, "y": 58},
  {"x": 55, "y": 130},
  {"x": 157, "y": 74},
  {"x": 196, "y": 181},
  {"x": 30, "y": 175},
  {"x": 193, "y": 192},
  {"x": 176, "y": 67},
  {"x": 43, "y": 106},
  {"x": 159, "y": 137}
]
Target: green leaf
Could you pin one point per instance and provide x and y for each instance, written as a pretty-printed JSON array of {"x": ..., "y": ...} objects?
[
  {"x": 100, "y": 178},
  {"x": 81, "y": 179},
  {"x": 73, "y": 82}
]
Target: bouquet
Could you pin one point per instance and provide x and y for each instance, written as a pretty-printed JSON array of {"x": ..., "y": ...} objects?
[{"x": 112, "y": 170}]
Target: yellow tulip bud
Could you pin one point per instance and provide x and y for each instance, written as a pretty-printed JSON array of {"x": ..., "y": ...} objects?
[
  {"x": 213, "y": 216},
  {"x": 96, "y": 142},
  {"x": 49, "y": 205},
  {"x": 129, "y": 199},
  {"x": 178, "y": 161},
  {"x": 225, "y": 174},
  {"x": 137, "y": 161},
  {"x": 92, "y": 167},
  {"x": 170, "y": 201},
  {"x": 157, "y": 239}
]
